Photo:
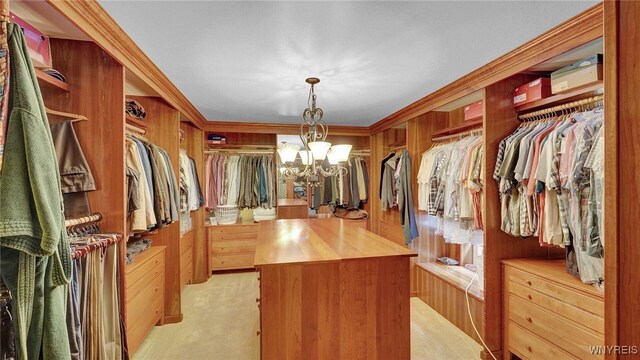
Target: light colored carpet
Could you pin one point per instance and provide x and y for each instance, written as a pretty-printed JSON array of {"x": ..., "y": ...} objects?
[{"x": 221, "y": 319}]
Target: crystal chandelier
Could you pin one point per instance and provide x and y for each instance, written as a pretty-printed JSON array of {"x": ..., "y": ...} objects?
[{"x": 313, "y": 133}]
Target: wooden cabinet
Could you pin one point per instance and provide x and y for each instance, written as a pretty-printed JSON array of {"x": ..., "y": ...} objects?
[
  {"x": 292, "y": 209},
  {"x": 186, "y": 259},
  {"x": 232, "y": 246},
  {"x": 331, "y": 290},
  {"x": 144, "y": 283},
  {"x": 549, "y": 314}
]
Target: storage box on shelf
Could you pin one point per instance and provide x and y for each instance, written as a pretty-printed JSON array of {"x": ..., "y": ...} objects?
[
  {"x": 548, "y": 313},
  {"x": 144, "y": 284}
]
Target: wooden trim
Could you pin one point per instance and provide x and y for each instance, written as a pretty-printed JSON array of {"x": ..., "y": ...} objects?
[
  {"x": 612, "y": 47},
  {"x": 93, "y": 20},
  {"x": 579, "y": 30},
  {"x": 280, "y": 129}
]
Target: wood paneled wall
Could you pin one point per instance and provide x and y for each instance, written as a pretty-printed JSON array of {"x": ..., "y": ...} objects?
[
  {"x": 163, "y": 130},
  {"x": 451, "y": 303},
  {"x": 500, "y": 121},
  {"x": 193, "y": 143},
  {"x": 622, "y": 169},
  {"x": 97, "y": 92}
]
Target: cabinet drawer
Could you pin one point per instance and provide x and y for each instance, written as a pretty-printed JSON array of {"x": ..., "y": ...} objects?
[
  {"x": 186, "y": 258},
  {"x": 571, "y": 312},
  {"x": 139, "y": 287},
  {"x": 138, "y": 330},
  {"x": 580, "y": 300},
  {"x": 238, "y": 236},
  {"x": 234, "y": 229},
  {"x": 560, "y": 332},
  {"x": 139, "y": 299},
  {"x": 186, "y": 246},
  {"x": 186, "y": 274},
  {"x": 529, "y": 346},
  {"x": 236, "y": 261},
  {"x": 139, "y": 270},
  {"x": 232, "y": 247}
]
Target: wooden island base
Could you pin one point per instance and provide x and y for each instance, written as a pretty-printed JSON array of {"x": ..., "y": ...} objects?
[{"x": 332, "y": 290}]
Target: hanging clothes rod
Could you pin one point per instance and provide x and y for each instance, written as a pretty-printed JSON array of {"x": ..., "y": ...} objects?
[
  {"x": 459, "y": 135},
  {"x": 135, "y": 129},
  {"x": 241, "y": 151},
  {"x": 397, "y": 147},
  {"x": 567, "y": 106},
  {"x": 93, "y": 218},
  {"x": 360, "y": 153}
]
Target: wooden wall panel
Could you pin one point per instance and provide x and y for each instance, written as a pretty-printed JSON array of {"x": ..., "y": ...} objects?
[
  {"x": 450, "y": 302},
  {"x": 97, "y": 92},
  {"x": 163, "y": 130},
  {"x": 622, "y": 169},
  {"x": 336, "y": 310},
  {"x": 500, "y": 120},
  {"x": 194, "y": 144}
]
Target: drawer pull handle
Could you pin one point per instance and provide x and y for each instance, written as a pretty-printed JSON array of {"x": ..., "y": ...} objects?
[
  {"x": 530, "y": 349},
  {"x": 258, "y": 300},
  {"x": 529, "y": 283},
  {"x": 530, "y": 297},
  {"x": 529, "y": 319},
  {"x": 258, "y": 333}
]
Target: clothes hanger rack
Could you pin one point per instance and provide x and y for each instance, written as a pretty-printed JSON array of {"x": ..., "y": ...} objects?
[
  {"x": 574, "y": 105},
  {"x": 241, "y": 151},
  {"x": 458, "y": 136},
  {"x": 71, "y": 116},
  {"x": 397, "y": 147},
  {"x": 134, "y": 130}
]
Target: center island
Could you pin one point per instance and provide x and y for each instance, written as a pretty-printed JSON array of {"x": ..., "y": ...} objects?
[{"x": 329, "y": 289}]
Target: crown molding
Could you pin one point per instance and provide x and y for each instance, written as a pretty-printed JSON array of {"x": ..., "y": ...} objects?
[{"x": 280, "y": 129}]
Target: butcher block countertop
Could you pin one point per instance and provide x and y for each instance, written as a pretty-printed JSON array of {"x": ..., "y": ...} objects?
[{"x": 320, "y": 240}]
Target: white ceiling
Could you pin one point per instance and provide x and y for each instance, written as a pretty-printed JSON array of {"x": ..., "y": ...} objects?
[{"x": 247, "y": 61}]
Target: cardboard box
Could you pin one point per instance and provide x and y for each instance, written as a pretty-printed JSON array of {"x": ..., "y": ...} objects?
[
  {"x": 581, "y": 73},
  {"x": 533, "y": 91},
  {"x": 473, "y": 111},
  {"x": 37, "y": 43}
]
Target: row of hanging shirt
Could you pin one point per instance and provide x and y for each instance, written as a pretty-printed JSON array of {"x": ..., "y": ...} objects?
[
  {"x": 550, "y": 174},
  {"x": 450, "y": 186},
  {"x": 350, "y": 191},
  {"x": 153, "y": 193},
  {"x": 396, "y": 191},
  {"x": 244, "y": 180},
  {"x": 191, "y": 197}
]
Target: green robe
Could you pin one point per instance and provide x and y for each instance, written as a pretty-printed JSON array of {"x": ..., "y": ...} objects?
[{"x": 35, "y": 259}]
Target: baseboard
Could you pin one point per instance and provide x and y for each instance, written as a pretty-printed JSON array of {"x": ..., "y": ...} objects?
[
  {"x": 199, "y": 281},
  {"x": 484, "y": 354},
  {"x": 414, "y": 294},
  {"x": 173, "y": 319}
]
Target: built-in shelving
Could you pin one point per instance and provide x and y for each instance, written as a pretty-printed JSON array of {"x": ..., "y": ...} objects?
[
  {"x": 46, "y": 80},
  {"x": 467, "y": 125},
  {"x": 558, "y": 99}
]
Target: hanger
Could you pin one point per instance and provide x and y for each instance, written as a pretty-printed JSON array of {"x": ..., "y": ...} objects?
[{"x": 71, "y": 116}]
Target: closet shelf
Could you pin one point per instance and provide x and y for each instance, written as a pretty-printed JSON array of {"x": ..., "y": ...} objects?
[
  {"x": 574, "y": 94},
  {"x": 136, "y": 122},
  {"x": 46, "y": 80},
  {"x": 467, "y": 125},
  {"x": 456, "y": 276}
]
